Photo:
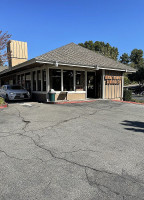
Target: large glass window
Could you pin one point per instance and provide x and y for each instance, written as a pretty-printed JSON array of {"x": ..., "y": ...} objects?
[
  {"x": 55, "y": 79},
  {"x": 34, "y": 81},
  {"x": 28, "y": 81},
  {"x": 18, "y": 80},
  {"x": 80, "y": 80},
  {"x": 23, "y": 80},
  {"x": 68, "y": 82},
  {"x": 39, "y": 80},
  {"x": 44, "y": 79}
]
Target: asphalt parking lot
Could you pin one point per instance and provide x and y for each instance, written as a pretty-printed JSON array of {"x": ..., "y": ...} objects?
[{"x": 85, "y": 151}]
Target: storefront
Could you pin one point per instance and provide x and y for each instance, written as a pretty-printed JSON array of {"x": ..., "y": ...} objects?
[{"x": 77, "y": 79}]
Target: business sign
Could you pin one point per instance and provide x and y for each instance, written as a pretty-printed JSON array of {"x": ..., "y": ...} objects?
[{"x": 112, "y": 80}]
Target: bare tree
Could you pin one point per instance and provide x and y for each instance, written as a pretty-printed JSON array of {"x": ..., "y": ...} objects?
[{"x": 4, "y": 38}]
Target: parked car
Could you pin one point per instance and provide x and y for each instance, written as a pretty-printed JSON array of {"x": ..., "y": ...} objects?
[{"x": 14, "y": 92}]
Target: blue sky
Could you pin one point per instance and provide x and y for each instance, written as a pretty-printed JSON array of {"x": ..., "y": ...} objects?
[{"x": 48, "y": 24}]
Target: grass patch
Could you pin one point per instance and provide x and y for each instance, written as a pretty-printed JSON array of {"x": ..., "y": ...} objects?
[{"x": 2, "y": 101}]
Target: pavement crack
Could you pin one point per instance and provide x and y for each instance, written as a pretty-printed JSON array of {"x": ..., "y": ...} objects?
[
  {"x": 109, "y": 190},
  {"x": 78, "y": 164},
  {"x": 9, "y": 156},
  {"x": 75, "y": 151},
  {"x": 23, "y": 120}
]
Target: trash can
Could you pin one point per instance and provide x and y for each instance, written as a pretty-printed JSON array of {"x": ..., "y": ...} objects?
[{"x": 52, "y": 95}]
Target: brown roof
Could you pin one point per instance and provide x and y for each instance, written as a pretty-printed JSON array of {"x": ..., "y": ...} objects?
[
  {"x": 2, "y": 68},
  {"x": 73, "y": 54}
]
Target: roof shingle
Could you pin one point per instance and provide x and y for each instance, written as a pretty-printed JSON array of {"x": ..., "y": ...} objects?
[{"x": 77, "y": 55}]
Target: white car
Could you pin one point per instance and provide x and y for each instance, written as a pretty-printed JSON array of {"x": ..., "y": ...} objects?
[{"x": 14, "y": 92}]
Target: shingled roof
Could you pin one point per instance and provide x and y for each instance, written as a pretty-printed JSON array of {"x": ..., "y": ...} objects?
[
  {"x": 2, "y": 68},
  {"x": 73, "y": 54}
]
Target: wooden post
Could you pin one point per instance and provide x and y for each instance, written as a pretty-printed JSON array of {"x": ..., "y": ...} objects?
[
  {"x": 122, "y": 85},
  {"x": 86, "y": 83},
  {"x": 31, "y": 81},
  {"x": 47, "y": 83},
  {"x": 61, "y": 79},
  {"x": 47, "y": 80},
  {"x": 36, "y": 81},
  {"x": 74, "y": 80},
  {"x": 103, "y": 84},
  {"x": 41, "y": 80}
]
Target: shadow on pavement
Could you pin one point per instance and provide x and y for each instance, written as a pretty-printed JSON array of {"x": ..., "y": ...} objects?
[
  {"x": 136, "y": 126},
  {"x": 19, "y": 101}
]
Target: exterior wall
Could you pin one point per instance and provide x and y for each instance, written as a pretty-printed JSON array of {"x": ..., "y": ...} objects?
[
  {"x": 111, "y": 90},
  {"x": 113, "y": 85},
  {"x": 16, "y": 61},
  {"x": 76, "y": 96},
  {"x": 18, "y": 52},
  {"x": 39, "y": 97},
  {"x": 70, "y": 96}
]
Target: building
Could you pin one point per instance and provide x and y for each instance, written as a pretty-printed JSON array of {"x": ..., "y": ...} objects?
[
  {"x": 74, "y": 72},
  {"x": 2, "y": 68}
]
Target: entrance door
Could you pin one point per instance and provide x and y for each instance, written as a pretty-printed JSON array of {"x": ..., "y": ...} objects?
[{"x": 90, "y": 84}]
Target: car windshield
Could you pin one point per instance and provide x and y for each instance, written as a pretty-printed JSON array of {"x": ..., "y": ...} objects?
[{"x": 15, "y": 87}]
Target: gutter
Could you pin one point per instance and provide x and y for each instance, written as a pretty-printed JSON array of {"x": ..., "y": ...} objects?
[
  {"x": 32, "y": 61},
  {"x": 85, "y": 66}
]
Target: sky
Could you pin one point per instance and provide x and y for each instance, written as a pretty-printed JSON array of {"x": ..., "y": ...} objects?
[{"x": 49, "y": 24}]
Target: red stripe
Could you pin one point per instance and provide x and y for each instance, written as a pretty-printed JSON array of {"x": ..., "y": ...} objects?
[{"x": 4, "y": 106}]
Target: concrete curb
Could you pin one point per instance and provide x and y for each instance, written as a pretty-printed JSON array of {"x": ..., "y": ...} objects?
[
  {"x": 129, "y": 102},
  {"x": 4, "y": 106}
]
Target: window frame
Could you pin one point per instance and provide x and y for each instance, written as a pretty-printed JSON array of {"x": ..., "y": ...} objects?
[
  {"x": 53, "y": 77},
  {"x": 73, "y": 80}
]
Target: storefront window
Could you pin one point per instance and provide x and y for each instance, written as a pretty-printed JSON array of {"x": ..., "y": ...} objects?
[
  {"x": 28, "y": 81},
  {"x": 55, "y": 79},
  {"x": 23, "y": 80},
  {"x": 19, "y": 80},
  {"x": 68, "y": 83},
  {"x": 34, "y": 81},
  {"x": 80, "y": 80},
  {"x": 44, "y": 79},
  {"x": 39, "y": 80}
]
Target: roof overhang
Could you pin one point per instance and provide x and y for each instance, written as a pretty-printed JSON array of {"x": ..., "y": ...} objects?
[
  {"x": 96, "y": 67},
  {"x": 33, "y": 62}
]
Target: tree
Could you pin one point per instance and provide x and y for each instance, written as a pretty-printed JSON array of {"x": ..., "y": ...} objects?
[
  {"x": 88, "y": 45},
  {"x": 102, "y": 48},
  {"x": 124, "y": 58},
  {"x": 4, "y": 37},
  {"x": 138, "y": 76},
  {"x": 137, "y": 62},
  {"x": 136, "y": 58}
]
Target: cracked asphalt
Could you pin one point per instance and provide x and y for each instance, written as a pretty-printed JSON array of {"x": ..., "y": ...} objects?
[{"x": 85, "y": 151}]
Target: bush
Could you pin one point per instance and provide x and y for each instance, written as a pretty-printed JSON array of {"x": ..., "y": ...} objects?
[
  {"x": 2, "y": 101},
  {"x": 127, "y": 96},
  {"x": 126, "y": 81}
]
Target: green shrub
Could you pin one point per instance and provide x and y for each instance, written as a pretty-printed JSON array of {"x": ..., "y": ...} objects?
[
  {"x": 126, "y": 81},
  {"x": 2, "y": 101},
  {"x": 127, "y": 96}
]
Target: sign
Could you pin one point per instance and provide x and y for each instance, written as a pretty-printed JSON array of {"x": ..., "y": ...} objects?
[{"x": 112, "y": 80}]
